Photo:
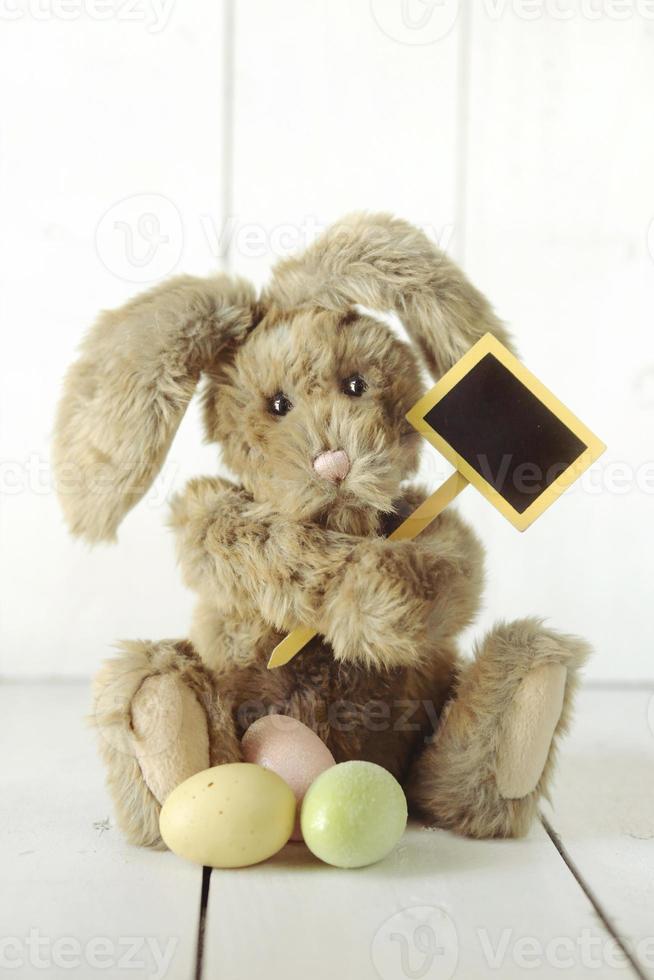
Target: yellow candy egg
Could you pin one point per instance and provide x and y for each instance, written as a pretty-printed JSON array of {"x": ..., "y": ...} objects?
[{"x": 229, "y": 816}]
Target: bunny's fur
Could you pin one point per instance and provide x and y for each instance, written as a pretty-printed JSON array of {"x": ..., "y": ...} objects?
[{"x": 285, "y": 547}]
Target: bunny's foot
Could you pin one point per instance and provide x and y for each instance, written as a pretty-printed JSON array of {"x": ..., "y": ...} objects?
[
  {"x": 492, "y": 757},
  {"x": 159, "y": 720}
]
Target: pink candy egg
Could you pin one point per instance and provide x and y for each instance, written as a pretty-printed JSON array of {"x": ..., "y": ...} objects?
[{"x": 290, "y": 749}]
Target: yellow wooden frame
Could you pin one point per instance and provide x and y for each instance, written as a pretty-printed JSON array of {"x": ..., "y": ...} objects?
[{"x": 490, "y": 345}]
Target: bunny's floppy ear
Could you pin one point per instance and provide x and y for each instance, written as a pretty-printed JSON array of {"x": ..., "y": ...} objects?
[
  {"x": 125, "y": 397},
  {"x": 387, "y": 264}
]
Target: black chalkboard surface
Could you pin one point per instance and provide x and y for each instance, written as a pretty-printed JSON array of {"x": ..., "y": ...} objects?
[{"x": 505, "y": 432}]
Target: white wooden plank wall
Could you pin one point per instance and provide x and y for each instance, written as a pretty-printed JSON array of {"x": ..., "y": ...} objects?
[
  {"x": 112, "y": 153},
  {"x": 521, "y": 140},
  {"x": 559, "y": 202},
  {"x": 331, "y": 115}
]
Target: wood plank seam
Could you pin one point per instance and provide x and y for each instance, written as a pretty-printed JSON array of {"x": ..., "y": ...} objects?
[
  {"x": 598, "y": 908},
  {"x": 462, "y": 132},
  {"x": 229, "y": 110},
  {"x": 202, "y": 919}
]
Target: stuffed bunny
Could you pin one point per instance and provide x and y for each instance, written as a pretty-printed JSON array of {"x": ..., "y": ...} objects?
[{"x": 306, "y": 396}]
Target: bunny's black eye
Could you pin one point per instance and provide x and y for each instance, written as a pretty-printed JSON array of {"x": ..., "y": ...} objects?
[
  {"x": 355, "y": 386},
  {"x": 280, "y": 404}
]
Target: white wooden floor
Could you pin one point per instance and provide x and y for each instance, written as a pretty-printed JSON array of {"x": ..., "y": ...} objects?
[{"x": 568, "y": 901}]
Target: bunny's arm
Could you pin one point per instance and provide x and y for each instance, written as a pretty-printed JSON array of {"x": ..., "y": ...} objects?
[
  {"x": 278, "y": 567},
  {"x": 459, "y": 560},
  {"x": 371, "y": 598}
]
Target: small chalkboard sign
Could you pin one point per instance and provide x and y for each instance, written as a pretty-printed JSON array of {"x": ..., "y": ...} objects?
[{"x": 505, "y": 432}]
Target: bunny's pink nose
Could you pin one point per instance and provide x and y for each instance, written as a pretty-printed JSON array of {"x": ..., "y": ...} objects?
[{"x": 333, "y": 465}]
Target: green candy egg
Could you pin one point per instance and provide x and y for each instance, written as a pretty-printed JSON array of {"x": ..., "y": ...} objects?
[{"x": 353, "y": 814}]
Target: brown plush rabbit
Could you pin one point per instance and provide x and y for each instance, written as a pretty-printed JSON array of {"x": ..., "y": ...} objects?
[{"x": 307, "y": 398}]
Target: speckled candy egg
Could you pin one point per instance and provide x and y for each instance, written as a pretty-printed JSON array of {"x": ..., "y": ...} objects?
[
  {"x": 229, "y": 816},
  {"x": 290, "y": 749},
  {"x": 353, "y": 814}
]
